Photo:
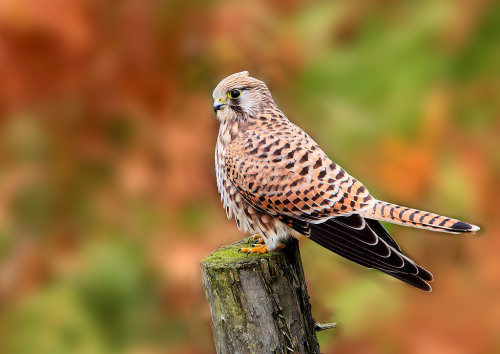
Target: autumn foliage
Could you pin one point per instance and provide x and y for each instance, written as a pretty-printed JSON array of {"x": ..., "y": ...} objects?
[{"x": 107, "y": 188}]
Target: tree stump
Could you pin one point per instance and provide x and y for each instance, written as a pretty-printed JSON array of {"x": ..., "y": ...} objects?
[{"x": 259, "y": 303}]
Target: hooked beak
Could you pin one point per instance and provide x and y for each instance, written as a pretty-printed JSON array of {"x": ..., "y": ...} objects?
[{"x": 219, "y": 104}]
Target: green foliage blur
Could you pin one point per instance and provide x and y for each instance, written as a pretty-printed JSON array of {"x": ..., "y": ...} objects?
[{"x": 108, "y": 198}]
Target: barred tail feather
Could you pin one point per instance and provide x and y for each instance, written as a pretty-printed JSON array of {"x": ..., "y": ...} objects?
[{"x": 397, "y": 214}]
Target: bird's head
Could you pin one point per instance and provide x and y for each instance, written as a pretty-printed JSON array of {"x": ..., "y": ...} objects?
[{"x": 240, "y": 96}]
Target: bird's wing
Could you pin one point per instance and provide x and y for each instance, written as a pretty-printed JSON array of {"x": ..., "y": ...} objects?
[
  {"x": 285, "y": 173},
  {"x": 365, "y": 242}
]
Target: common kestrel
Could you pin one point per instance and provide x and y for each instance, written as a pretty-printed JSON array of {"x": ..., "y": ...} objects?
[{"x": 278, "y": 183}]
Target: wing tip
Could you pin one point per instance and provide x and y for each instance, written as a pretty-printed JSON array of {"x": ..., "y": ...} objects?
[
  {"x": 414, "y": 280},
  {"x": 428, "y": 288},
  {"x": 425, "y": 274}
]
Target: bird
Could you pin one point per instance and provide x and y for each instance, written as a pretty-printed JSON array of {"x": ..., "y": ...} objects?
[{"x": 279, "y": 184}]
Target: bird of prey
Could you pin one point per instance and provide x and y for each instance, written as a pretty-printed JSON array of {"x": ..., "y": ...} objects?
[{"x": 278, "y": 183}]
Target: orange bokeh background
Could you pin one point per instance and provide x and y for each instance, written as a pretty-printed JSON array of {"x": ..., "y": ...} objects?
[{"x": 108, "y": 198}]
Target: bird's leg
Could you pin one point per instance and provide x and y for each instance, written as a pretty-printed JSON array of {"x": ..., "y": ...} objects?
[
  {"x": 280, "y": 246},
  {"x": 257, "y": 248},
  {"x": 257, "y": 239},
  {"x": 258, "y": 245}
]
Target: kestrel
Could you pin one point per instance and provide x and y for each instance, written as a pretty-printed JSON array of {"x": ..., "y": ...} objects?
[{"x": 278, "y": 183}]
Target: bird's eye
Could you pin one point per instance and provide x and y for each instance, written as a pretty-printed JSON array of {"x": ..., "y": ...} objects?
[{"x": 234, "y": 93}]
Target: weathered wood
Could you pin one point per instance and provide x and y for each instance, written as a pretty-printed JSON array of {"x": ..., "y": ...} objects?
[{"x": 259, "y": 303}]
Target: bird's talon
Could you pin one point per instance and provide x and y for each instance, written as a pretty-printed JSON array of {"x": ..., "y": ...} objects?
[
  {"x": 258, "y": 241},
  {"x": 255, "y": 249}
]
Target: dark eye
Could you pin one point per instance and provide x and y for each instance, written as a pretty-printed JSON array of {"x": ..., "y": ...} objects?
[{"x": 234, "y": 93}]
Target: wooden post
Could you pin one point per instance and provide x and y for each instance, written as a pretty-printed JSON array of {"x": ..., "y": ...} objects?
[{"x": 259, "y": 303}]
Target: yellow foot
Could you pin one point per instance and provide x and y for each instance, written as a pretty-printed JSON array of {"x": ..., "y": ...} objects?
[
  {"x": 256, "y": 248},
  {"x": 256, "y": 239},
  {"x": 258, "y": 245},
  {"x": 280, "y": 246}
]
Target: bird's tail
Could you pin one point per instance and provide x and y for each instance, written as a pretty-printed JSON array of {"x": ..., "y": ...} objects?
[{"x": 397, "y": 214}]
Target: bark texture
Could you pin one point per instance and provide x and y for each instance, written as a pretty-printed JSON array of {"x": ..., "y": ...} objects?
[{"x": 259, "y": 303}]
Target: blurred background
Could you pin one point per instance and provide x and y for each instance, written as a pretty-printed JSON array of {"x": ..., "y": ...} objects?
[{"x": 108, "y": 199}]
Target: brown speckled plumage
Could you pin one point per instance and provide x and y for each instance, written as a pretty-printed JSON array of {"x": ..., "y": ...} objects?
[{"x": 277, "y": 182}]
